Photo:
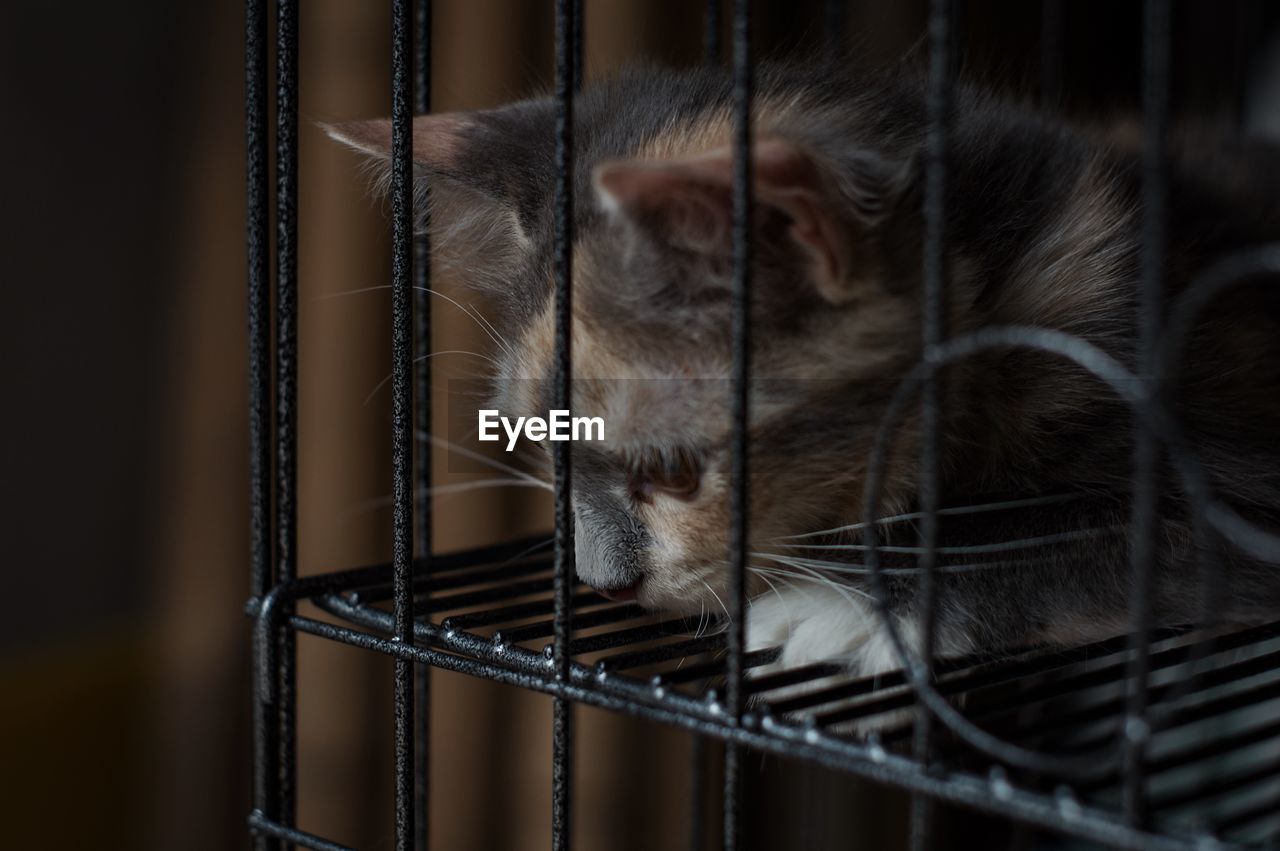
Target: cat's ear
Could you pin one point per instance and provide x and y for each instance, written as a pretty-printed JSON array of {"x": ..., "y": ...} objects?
[
  {"x": 498, "y": 153},
  {"x": 437, "y": 139},
  {"x": 477, "y": 175},
  {"x": 829, "y": 208}
]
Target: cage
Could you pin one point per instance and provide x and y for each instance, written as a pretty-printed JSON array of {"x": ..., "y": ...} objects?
[{"x": 1182, "y": 716}]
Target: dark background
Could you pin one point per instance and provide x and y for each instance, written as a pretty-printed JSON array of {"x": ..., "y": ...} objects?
[{"x": 123, "y": 648}]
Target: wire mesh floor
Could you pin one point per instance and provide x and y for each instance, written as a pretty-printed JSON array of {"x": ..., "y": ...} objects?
[{"x": 1213, "y": 767}]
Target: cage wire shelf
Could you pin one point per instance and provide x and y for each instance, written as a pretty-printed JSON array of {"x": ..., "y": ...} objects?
[{"x": 1213, "y": 767}]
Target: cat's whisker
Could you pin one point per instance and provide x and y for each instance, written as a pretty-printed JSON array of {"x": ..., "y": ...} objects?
[
  {"x": 476, "y": 317},
  {"x": 718, "y": 600},
  {"x": 782, "y": 576},
  {"x": 782, "y": 601},
  {"x": 543, "y": 544},
  {"x": 345, "y": 293},
  {"x": 702, "y": 616},
  {"x": 420, "y": 359},
  {"x": 815, "y": 578},
  {"x": 484, "y": 484},
  {"x": 778, "y": 575},
  {"x": 772, "y": 587},
  {"x": 484, "y": 459},
  {"x": 495, "y": 335},
  {"x": 959, "y": 510},
  {"x": 863, "y": 570},
  {"x": 843, "y": 590},
  {"x": 535, "y": 459},
  {"x": 471, "y": 313},
  {"x": 449, "y": 490},
  {"x": 1001, "y": 546},
  {"x": 851, "y": 527}
]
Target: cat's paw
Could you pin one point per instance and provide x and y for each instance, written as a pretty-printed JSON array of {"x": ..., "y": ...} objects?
[{"x": 822, "y": 623}]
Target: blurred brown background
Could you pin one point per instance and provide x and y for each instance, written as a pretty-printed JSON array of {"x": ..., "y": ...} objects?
[{"x": 123, "y": 647}]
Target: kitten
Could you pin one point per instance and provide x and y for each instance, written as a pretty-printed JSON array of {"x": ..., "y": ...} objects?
[{"x": 1042, "y": 229}]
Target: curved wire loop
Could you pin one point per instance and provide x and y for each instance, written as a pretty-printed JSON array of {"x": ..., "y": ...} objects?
[
  {"x": 1258, "y": 543},
  {"x": 1231, "y": 271}
]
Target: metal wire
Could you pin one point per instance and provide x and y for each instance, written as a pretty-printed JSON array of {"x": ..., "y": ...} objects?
[
  {"x": 568, "y": 54},
  {"x": 563, "y": 312},
  {"x": 938, "y": 107},
  {"x": 518, "y": 666},
  {"x": 402, "y": 409},
  {"x": 1143, "y": 533},
  {"x": 1122, "y": 383},
  {"x": 650, "y": 697},
  {"x": 422, "y": 425},
  {"x": 257, "y": 197},
  {"x": 286, "y": 387},
  {"x": 264, "y": 830},
  {"x": 739, "y": 411},
  {"x": 257, "y": 222},
  {"x": 1066, "y": 346}
]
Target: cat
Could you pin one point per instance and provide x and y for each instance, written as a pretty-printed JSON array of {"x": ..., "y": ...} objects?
[{"x": 1042, "y": 229}]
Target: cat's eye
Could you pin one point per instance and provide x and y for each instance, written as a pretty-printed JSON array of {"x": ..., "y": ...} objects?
[{"x": 678, "y": 475}]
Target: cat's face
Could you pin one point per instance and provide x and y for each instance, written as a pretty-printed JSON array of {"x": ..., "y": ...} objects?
[
  {"x": 651, "y": 500},
  {"x": 651, "y": 321}
]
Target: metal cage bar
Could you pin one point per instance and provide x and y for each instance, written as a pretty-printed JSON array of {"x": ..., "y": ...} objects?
[
  {"x": 422, "y": 431},
  {"x": 402, "y": 435},
  {"x": 740, "y": 376},
  {"x": 938, "y": 108},
  {"x": 700, "y": 799},
  {"x": 257, "y": 223},
  {"x": 286, "y": 390},
  {"x": 568, "y": 49},
  {"x": 1155, "y": 105}
]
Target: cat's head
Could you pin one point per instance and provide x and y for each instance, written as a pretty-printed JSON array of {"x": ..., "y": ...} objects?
[{"x": 832, "y": 290}]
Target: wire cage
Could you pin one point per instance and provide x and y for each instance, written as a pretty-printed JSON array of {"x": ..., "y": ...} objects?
[{"x": 971, "y": 728}]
